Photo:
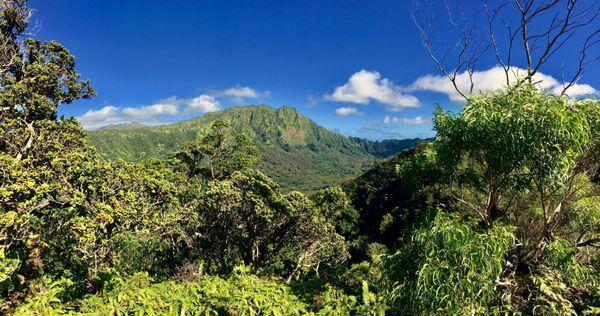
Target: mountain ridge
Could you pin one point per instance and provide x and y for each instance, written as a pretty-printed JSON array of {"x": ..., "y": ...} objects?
[
  {"x": 296, "y": 151},
  {"x": 121, "y": 126}
]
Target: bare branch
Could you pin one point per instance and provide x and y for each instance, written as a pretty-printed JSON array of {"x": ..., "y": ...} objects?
[
  {"x": 29, "y": 140},
  {"x": 590, "y": 242},
  {"x": 583, "y": 60},
  {"x": 541, "y": 28},
  {"x": 467, "y": 50},
  {"x": 494, "y": 43}
]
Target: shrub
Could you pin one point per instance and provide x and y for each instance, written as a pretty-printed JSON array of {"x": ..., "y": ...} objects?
[
  {"x": 448, "y": 267},
  {"x": 240, "y": 294}
]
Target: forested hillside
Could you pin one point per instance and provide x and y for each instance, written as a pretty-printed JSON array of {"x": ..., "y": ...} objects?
[
  {"x": 294, "y": 150},
  {"x": 388, "y": 204}
]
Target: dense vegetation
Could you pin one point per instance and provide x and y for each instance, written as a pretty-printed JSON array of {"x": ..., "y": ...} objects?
[
  {"x": 295, "y": 151},
  {"x": 499, "y": 214}
]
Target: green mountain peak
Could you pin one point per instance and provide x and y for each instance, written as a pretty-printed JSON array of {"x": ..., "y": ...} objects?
[{"x": 297, "y": 152}]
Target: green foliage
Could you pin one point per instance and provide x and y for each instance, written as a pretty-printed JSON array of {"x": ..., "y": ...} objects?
[
  {"x": 218, "y": 153},
  {"x": 126, "y": 202},
  {"x": 45, "y": 298},
  {"x": 550, "y": 296},
  {"x": 370, "y": 270},
  {"x": 241, "y": 294},
  {"x": 336, "y": 302},
  {"x": 335, "y": 206},
  {"x": 449, "y": 268},
  {"x": 42, "y": 157},
  {"x": 561, "y": 257},
  {"x": 7, "y": 266},
  {"x": 386, "y": 222},
  {"x": 393, "y": 194},
  {"x": 514, "y": 140},
  {"x": 512, "y": 129},
  {"x": 582, "y": 216},
  {"x": 247, "y": 218},
  {"x": 562, "y": 284}
]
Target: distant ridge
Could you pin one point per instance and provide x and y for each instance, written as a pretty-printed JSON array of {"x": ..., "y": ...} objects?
[
  {"x": 387, "y": 147},
  {"x": 122, "y": 126},
  {"x": 297, "y": 152}
]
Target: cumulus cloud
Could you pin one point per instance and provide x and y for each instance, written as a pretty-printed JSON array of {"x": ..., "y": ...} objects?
[
  {"x": 576, "y": 90},
  {"x": 203, "y": 104},
  {"x": 240, "y": 94},
  {"x": 105, "y": 116},
  {"x": 366, "y": 86},
  {"x": 346, "y": 111},
  {"x": 161, "y": 112},
  {"x": 419, "y": 120},
  {"x": 150, "y": 111},
  {"x": 490, "y": 80},
  {"x": 167, "y": 110}
]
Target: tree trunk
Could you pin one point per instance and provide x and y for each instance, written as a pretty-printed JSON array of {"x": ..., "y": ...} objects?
[{"x": 492, "y": 210}]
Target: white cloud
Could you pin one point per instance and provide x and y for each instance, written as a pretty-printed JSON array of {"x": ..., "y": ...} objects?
[
  {"x": 419, "y": 120},
  {"x": 161, "y": 112},
  {"x": 366, "y": 86},
  {"x": 576, "y": 90},
  {"x": 313, "y": 101},
  {"x": 345, "y": 111},
  {"x": 105, "y": 116},
  {"x": 490, "y": 80},
  {"x": 241, "y": 92},
  {"x": 203, "y": 104},
  {"x": 167, "y": 110},
  {"x": 151, "y": 111}
]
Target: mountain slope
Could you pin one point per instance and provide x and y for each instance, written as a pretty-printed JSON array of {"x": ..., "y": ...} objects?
[
  {"x": 297, "y": 152},
  {"x": 379, "y": 193}
]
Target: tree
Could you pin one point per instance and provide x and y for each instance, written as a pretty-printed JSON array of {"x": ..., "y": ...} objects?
[
  {"x": 247, "y": 219},
  {"x": 335, "y": 206},
  {"x": 520, "y": 155},
  {"x": 515, "y": 140},
  {"x": 525, "y": 158},
  {"x": 218, "y": 153},
  {"x": 130, "y": 219},
  {"x": 41, "y": 155}
]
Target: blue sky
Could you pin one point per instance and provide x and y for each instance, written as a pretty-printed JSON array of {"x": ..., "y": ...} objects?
[{"x": 351, "y": 66}]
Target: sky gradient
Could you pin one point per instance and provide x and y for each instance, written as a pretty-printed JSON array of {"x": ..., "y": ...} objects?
[{"x": 357, "y": 67}]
